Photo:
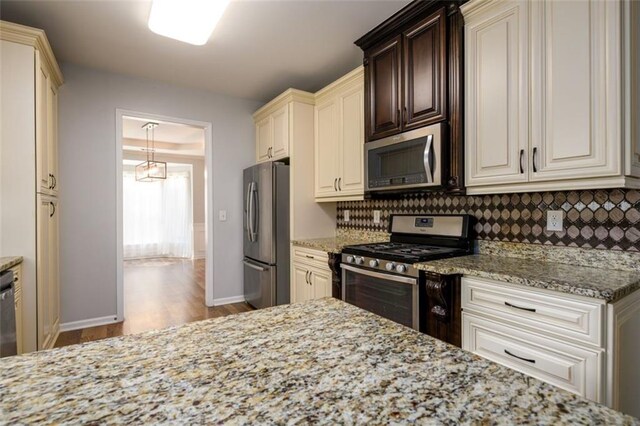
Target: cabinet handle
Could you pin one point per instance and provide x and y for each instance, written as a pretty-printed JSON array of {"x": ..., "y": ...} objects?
[
  {"x": 55, "y": 181},
  {"x": 50, "y": 181},
  {"x": 398, "y": 116},
  {"x": 310, "y": 273},
  {"x": 519, "y": 307},
  {"x": 310, "y": 257},
  {"x": 521, "y": 158},
  {"x": 535, "y": 152},
  {"x": 532, "y": 361},
  {"x": 404, "y": 117},
  {"x": 54, "y": 209},
  {"x": 339, "y": 184},
  {"x": 335, "y": 184}
]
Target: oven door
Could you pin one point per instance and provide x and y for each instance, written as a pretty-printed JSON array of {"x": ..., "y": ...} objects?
[
  {"x": 391, "y": 296},
  {"x": 409, "y": 160}
]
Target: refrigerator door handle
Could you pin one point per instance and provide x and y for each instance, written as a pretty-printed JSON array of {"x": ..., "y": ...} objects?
[
  {"x": 254, "y": 266},
  {"x": 248, "y": 212},
  {"x": 254, "y": 211}
]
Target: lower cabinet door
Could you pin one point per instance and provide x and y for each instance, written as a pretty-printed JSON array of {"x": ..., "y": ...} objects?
[
  {"x": 569, "y": 367},
  {"x": 321, "y": 283},
  {"x": 301, "y": 286}
]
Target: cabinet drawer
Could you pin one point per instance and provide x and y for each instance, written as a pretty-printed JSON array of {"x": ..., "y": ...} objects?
[
  {"x": 310, "y": 257},
  {"x": 569, "y": 367},
  {"x": 557, "y": 314}
]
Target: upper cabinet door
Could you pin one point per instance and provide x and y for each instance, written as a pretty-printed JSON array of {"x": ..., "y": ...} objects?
[
  {"x": 280, "y": 140},
  {"x": 52, "y": 136},
  {"x": 43, "y": 104},
  {"x": 496, "y": 94},
  {"x": 383, "y": 64},
  {"x": 424, "y": 72},
  {"x": 327, "y": 148},
  {"x": 351, "y": 178},
  {"x": 263, "y": 139},
  {"x": 575, "y": 82}
]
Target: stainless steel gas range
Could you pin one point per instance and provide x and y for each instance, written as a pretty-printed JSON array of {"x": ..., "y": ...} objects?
[{"x": 381, "y": 277}]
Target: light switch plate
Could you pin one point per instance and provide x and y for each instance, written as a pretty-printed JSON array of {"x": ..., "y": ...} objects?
[
  {"x": 554, "y": 220},
  {"x": 346, "y": 215},
  {"x": 376, "y": 216},
  {"x": 222, "y": 215}
]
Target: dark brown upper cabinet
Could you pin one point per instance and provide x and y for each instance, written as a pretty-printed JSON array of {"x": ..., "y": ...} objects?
[
  {"x": 406, "y": 78},
  {"x": 424, "y": 66},
  {"x": 383, "y": 89},
  {"x": 413, "y": 71}
]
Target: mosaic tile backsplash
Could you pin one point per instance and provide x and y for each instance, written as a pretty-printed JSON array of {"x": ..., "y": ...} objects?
[{"x": 602, "y": 219}]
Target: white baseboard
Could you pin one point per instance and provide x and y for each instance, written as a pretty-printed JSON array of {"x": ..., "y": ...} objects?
[
  {"x": 91, "y": 322},
  {"x": 228, "y": 300}
]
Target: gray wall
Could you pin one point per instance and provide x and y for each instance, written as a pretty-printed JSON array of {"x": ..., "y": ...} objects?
[
  {"x": 88, "y": 102},
  {"x": 198, "y": 176}
]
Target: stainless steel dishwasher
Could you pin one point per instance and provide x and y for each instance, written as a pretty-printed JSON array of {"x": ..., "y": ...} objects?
[{"x": 8, "y": 344}]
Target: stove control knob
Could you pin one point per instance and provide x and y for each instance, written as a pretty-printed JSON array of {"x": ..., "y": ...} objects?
[
  {"x": 350, "y": 259},
  {"x": 359, "y": 260},
  {"x": 373, "y": 263},
  {"x": 401, "y": 268},
  {"x": 391, "y": 266}
]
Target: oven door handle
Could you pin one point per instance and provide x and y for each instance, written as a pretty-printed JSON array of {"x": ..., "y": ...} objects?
[
  {"x": 382, "y": 276},
  {"x": 428, "y": 159}
]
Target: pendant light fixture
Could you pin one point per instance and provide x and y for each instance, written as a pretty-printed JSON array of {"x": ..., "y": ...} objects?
[{"x": 151, "y": 169}]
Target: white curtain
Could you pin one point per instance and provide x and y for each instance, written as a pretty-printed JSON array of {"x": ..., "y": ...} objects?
[{"x": 157, "y": 217}]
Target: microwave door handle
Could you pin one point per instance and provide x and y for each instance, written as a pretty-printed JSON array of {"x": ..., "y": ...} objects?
[{"x": 428, "y": 159}]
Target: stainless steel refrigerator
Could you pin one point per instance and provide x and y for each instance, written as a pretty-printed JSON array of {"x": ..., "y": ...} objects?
[{"x": 266, "y": 235}]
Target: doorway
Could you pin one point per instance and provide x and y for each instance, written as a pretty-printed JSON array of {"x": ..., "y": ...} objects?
[{"x": 164, "y": 261}]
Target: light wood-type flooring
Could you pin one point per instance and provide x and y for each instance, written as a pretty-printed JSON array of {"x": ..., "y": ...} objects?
[{"x": 158, "y": 293}]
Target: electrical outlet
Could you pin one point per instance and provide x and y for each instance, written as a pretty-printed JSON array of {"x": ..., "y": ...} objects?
[
  {"x": 376, "y": 216},
  {"x": 554, "y": 220},
  {"x": 222, "y": 215},
  {"x": 346, "y": 216}
]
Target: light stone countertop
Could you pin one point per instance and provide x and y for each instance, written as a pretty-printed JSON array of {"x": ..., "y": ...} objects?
[
  {"x": 9, "y": 261},
  {"x": 320, "y": 362},
  {"x": 343, "y": 239},
  {"x": 608, "y": 284}
]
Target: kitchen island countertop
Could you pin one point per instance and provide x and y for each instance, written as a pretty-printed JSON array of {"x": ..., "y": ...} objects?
[
  {"x": 9, "y": 262},
  {"x": 321, "y": 361}
]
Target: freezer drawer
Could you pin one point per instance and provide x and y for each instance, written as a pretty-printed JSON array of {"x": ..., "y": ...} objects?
[{"x": 259, "y": 284}]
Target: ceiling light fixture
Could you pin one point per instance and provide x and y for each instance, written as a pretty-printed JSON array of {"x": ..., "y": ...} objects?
[
  {"x": 151, "y": 169},
  {"x": 190, "y": 21}
]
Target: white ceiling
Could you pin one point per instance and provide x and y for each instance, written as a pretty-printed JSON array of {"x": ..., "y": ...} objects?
[
  {"x": 258, "y": 49},
  {"x": 170, "y": 138}
]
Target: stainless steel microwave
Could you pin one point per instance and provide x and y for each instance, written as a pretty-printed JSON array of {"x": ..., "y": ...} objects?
[{"x": 410, "y": 160}]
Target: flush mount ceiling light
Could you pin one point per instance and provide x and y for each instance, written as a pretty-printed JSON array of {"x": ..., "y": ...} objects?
[
  {"x": 151, "y": 169},
  {"x": 190, "y": 21}
]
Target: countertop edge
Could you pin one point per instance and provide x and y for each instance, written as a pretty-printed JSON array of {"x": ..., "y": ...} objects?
[{"x": 9, "y": 262}]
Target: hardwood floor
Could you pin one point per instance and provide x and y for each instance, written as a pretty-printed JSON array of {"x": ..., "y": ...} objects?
[{"x": 158, "y": 293}]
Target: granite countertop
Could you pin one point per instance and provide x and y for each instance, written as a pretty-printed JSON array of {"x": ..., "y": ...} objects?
[
  {"x": 608, "y": 284},
  {"x": 9, "y": 261},
  {"x": 322, "y": 361},
  {"x": 337, "y": 243}
]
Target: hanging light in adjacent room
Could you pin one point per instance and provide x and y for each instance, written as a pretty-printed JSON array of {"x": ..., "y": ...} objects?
[{"x": 151, "y": 169}]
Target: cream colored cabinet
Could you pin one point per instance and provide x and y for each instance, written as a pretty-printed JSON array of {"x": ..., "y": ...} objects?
[
  {"x": 496, "y": 95},
  {"x": 326, "y": 148},
  {"x": 47, "y": 278},
  {"x": 29, "y": 177},
  {"x": 339, "y": 139},
  {"x": 46, "y": 128},
  {"x": 542, "y": 111},
  {"x": 17, "y": 279},
  {"x": 586, "y": 346},
  {"x": 273, "y": 130},
  {"x": 311, "y": 277}
]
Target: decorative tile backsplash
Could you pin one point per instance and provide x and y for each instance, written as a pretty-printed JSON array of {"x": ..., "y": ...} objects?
[{"x": 603, "y": 219}]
